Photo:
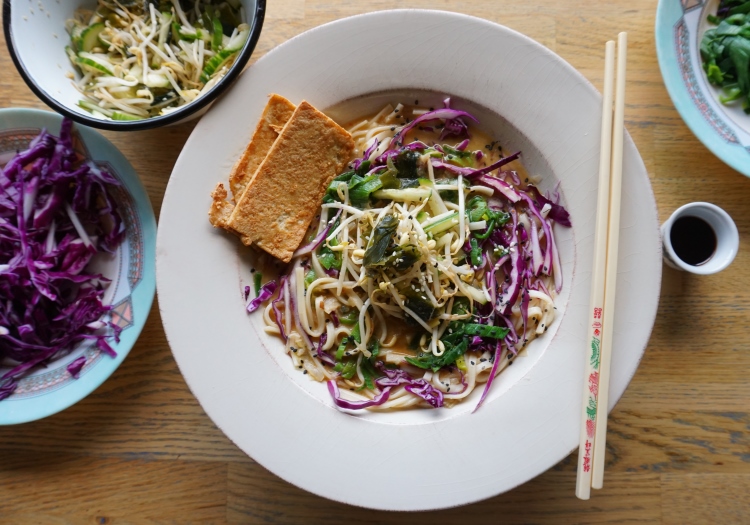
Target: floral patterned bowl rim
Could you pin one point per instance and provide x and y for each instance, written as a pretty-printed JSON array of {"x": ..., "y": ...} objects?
[
  {"x": 131, "y": 292},
  {"x": 723, "y": 130}
]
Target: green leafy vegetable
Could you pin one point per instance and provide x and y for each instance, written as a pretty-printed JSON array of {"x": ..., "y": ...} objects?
[
  {"x": 403, "y": 257},
  {"x": 476, "y": 252},
  {"x": 389, "y": 181},
  {"x": 478, "y": 210},
  {"x": 258, "y": 282},
  {"x": 329, "y": 259},
  {"x": 725, "y": 50},
  {"x": 341, "y": 349},
  {"x": 347, "y": 370},
  {"x": 484, "y": 330},
  {"x": 348, "y": 316},
  {"x": 465, "y": 159},
  {"x": 419, "y": 304},
  {"x": 367, "y": 366},
  {"x": 364, "y": 167},
  {"x": 380, "y": 240},
  {"x": 456, "y": 339},
  {"x": 360, "y": 189},
  {"x": 355, "y": 334},
  {"x": 430, "y": 361},
  {"x": 406, "y": 164}
]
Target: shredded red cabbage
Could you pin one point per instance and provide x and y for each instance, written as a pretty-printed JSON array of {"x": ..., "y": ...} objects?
[
  {"x": 462, "y": 145},
  {"x": 284, "y": 290},
  {"x": 266, "y": 292},
  {"x": 312, "y": 246},
  {"x": 356, "y": 405},
  {"x": 453, "y": 124},
  {"x": 322, "y": 354},
  {"x": 458, "y": 170},
  {"x": 501, "y": 186},
  {"x": 418, "y": 387},
  {"x": 557, "y": 213},
  {"x": 56, "y": 213},
  {"x": 491, "y": 377},
  {"x": 75, "y": 367},
  {"x": 496, "y": 165}
]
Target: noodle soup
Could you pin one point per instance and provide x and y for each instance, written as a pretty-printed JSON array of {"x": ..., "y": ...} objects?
[{"x": 432, "y": 267}]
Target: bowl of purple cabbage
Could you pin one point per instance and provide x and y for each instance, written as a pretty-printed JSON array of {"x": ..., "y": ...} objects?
[{"x": 77, "y": 236}]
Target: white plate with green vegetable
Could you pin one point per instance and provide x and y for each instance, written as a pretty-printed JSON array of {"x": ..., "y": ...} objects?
[
  {"x": 703, "y": 48},
  {"x": 530, "y": 100}
]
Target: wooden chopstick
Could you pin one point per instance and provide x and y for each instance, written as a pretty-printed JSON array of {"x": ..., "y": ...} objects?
[
  {"x": 593, "y": 431},
  {"x": 613, "y": 243},
  {"x": 589, "y": 406}
]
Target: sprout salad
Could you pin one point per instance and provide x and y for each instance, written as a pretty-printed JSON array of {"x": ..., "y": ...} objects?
[{"x": 145, "y": 58}]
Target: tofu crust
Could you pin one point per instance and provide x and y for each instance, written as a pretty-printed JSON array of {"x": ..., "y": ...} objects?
[
  {"x": 277, "y": 112},
  {"x": 285, "y": 193},
  {"x": 221, "y": 209}
]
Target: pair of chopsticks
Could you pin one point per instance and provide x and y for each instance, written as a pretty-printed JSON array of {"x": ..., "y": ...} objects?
[{"x": 604, "y": 274}]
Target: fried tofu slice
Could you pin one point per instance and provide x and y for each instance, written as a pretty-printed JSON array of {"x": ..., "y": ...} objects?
[
  {"x": 221, "y": 208},
  {"x": 280, "y": 202},
  {"x": 274, "y": 117}
]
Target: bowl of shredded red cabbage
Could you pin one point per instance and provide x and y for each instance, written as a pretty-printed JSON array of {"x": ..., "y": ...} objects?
[{"x": 68, "y": 227}]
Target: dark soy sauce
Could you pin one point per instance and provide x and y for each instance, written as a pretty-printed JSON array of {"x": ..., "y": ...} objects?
[{"x": 693, "y": 240}]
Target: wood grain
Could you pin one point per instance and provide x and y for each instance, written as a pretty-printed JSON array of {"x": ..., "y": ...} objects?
[{"x": 141, "y": 450}]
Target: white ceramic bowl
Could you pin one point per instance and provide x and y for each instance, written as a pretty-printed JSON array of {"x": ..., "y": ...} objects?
[
  {"x": 727, "y": 238},
  {"x": 36, "y": 38},
  {"x": 528, "y": 98}
]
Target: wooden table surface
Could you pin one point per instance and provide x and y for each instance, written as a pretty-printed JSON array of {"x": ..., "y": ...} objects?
[{"x": 141, "y": 450}]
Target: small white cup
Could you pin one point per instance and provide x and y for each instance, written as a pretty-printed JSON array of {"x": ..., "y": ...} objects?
[{"x": 727, "y": 238}]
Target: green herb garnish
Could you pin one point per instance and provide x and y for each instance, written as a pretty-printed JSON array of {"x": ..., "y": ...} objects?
[{"x": 725, "y": 50}]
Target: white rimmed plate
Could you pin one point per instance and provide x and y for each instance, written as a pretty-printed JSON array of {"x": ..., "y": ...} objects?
[{"x": 529, "y": 98}]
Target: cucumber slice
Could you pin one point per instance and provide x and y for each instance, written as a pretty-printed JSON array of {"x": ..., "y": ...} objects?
[
  {"x": 76, "y": 36},
  {"x": 405, "y": 195},
  {"x": 238, "y": 41},
  {"x": 215, "y": 63},
  {"x": 216, "y": 38},
  {"x": 90, "y": 37},
  {"x": 119, "y": 115},
  {"x": 89, "y": 64},
  {"x": 443, "y": 224}
]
